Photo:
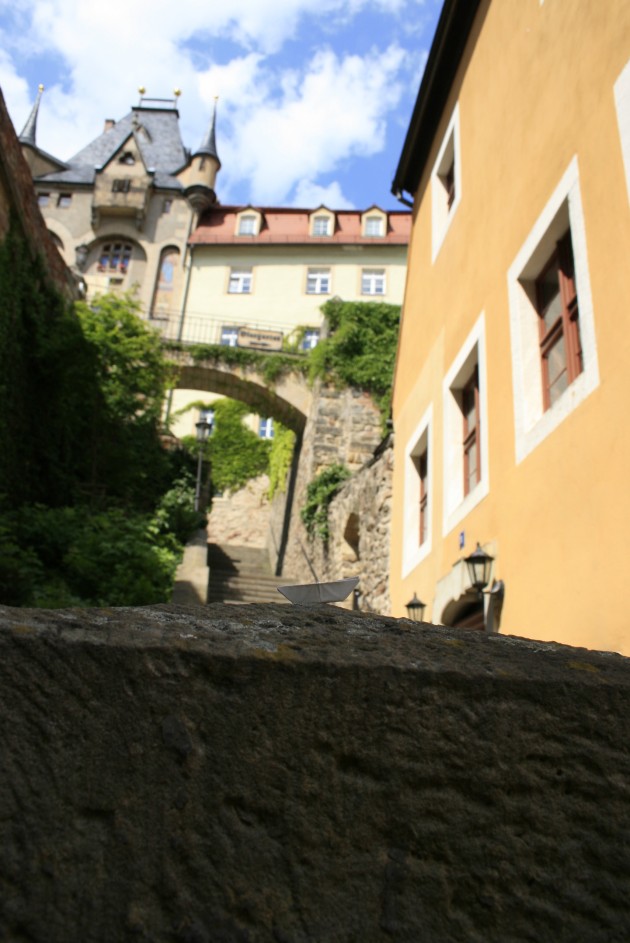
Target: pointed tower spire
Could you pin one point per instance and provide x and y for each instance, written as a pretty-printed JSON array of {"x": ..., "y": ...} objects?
[
  {"x": 208, "y": 147},
  {"x": 30, "y": 128}
]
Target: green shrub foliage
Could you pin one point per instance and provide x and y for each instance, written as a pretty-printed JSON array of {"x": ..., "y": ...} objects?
[
  {"x": 360, "y": 350},
  {"x": 280, "y": 457},
  {"x": 319, "y": 493},
  {"x": 235, "y": 452}
]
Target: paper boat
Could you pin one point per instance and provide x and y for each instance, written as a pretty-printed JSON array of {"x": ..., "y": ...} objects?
[{"x": 310, "y": 594}]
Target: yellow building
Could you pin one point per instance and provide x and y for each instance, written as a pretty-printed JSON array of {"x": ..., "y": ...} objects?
[
  {"x": 258, "y": 276},
  {"x": 511, "y": 392}
]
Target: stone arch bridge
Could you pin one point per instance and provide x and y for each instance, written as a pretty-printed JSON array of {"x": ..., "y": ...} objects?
[{"x": 288, "y": 400}]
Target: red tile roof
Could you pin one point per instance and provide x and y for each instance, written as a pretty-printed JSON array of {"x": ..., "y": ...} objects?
[{"x": 284, "y": 225}]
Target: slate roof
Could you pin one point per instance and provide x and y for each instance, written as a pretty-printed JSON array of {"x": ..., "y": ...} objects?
[{"x": 156, "y": 132}]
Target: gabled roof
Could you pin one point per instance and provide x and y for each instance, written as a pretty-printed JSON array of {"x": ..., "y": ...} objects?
[
  {"x": 447, "y": 49},
  {"x": 283, "y": 225},
  {"x": 156, "y": 132}
]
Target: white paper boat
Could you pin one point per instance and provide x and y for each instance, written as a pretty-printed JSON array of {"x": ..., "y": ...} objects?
[{"x": 310, "y": 594}]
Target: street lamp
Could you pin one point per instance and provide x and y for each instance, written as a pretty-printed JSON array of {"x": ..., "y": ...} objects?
[
  {"x": 479, "y": 565},
  {"x": 415, "y": 609},
  {"x": 204, "y": 428}
]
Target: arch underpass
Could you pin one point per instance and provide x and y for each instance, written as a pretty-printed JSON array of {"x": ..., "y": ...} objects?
[{"x": 288, "y": 401}]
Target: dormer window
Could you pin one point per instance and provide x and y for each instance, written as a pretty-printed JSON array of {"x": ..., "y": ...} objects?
[
  {"x": 248, "y": 223},
  {"x": 321, "y": 226},
  {"x": 374, "y": 226},
  {"x": 127, "y": 158}
]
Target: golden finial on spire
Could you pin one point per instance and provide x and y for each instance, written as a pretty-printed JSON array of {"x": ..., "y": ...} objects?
[
  {"x": 177, "y": 92},
  {"x": 40, "y": 87},
  {"x": 142, "y": 89},
  {"x": 216, "y": 98}
]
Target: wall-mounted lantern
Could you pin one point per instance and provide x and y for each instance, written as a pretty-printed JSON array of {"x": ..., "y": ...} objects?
[
  {"x": 479, "y": 565},
  {"x": 81, "y": 256},
  {"x": 415, "y": 609}
]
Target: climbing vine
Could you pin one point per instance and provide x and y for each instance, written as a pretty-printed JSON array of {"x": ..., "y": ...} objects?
[
  {"x": 319, "y": 493},
  {"x": 280, "y": 456}
]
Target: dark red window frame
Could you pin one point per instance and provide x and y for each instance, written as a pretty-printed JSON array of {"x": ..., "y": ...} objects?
[
  {"x": 565, "y": 327},
  {"x": 472, "y": 432},
  {"x": 423, "y": 465}
]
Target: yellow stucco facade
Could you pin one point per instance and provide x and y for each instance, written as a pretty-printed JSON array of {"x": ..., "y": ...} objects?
[{"x": 533, "y": 140}]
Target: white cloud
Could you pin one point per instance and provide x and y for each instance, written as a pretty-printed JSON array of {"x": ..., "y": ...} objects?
[
  {"x": 282, "y": 123},
  {"x": 310, "y": 194}
]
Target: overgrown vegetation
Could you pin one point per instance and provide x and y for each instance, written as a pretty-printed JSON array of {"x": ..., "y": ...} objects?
[
  {"x": 319, "y": 494},
  {"x": 270, "y": 366},
  {"x": 93, "y": 509},
  {"x": 280, "y": 458},
  {"x": 360, "y": 350}
]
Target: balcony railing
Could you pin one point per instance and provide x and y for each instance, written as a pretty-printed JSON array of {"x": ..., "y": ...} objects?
[{"x": 197, "y": 329}]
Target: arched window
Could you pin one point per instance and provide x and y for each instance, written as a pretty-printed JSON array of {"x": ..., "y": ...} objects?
[
  {"x": 166, "y": 283},
  {"x": 115, "y": 257}
]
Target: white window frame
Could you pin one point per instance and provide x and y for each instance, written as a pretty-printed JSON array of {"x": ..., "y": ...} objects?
[
  {"x": 318, "y": 281},
  {"x": 441, "y": 214},
  {"x": 229, "y": 336},
  {"x": 240, "y": 281},
  {"x": 622, "y": 105},
  {"x": 248, "y": 223},
  {"x": 472, "y": 353},
  {"x": 372, "y": 277},
  {"x": 311, "y": 334},
  {"x": 532, "y": 423},
  {"x": 376, "y": 223},
  {"x": 321, "y": 222},
  {"x": 265, "y": 428},
  {"x": 420, "y": 440}
]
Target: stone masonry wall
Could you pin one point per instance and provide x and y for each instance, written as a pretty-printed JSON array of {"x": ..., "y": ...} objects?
[
  {"x": 359, "y": 519},
  {"x": 241, "y": 517},
  {"x": 344, "y": 427},
  {"x": 244, "y": 774}
]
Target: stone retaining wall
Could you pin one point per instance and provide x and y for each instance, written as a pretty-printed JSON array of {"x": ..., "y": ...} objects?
[{"x": 270, "y": 773}]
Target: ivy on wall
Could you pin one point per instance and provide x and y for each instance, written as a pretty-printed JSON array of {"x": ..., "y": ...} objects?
[{"x": 319, "y": 493}]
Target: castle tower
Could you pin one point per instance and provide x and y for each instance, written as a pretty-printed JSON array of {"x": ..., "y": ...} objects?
[{"x": 199, "y": 177}]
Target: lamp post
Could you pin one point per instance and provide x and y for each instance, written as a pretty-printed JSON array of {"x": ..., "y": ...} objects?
[
  {"x": 479, "y": 565},
  {"x": 415, "y": 609},
  {"x": 204, "y": 428}
]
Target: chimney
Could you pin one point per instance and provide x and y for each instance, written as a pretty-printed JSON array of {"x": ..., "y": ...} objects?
[{"x": 109, "y": 124}]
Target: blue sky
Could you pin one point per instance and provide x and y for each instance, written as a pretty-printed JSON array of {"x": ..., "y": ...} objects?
[{"x": 314, "y": 95}]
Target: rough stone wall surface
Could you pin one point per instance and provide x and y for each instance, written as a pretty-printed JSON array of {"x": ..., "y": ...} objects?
[
  {"x": 359, "y": 519},
  {"x": 17, "y": 194},
  {"x": 344, "y": 426},
  {"x": 270, "y": 773},
  {"x": 241, "y": 517}
]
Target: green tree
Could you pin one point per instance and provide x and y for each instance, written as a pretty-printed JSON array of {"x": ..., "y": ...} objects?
[{"x": 128, "y": 460}]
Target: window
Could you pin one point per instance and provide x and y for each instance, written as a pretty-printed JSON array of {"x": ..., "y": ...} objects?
[
  {"x": 423, "y": 465},
  {"x": 43, "y": 199},
  {"x": 552, "y": 328},
  {"x": 373, "y": 281},
  {"x": 229, "y": 336},
  {"x": 318, "y": 281},
  {"x": 557, "y": 305},
  {"x": 374, "y": 226},
  {"x": 166, "y": 282},
  {"x": 417, "y": 495},
  {"x": 240, "y": 281},
  {"x": 310, "y": 338},
  {"x": 465, "y": 459},
  {"x": 265, "y": 429},
  {"x": 247, "y": 225},
  {"x": 321, "y": 226},
  {"x": 64, "y": 200},
  {"x": 471, "y": 439},
  {"x": 622, "y": 105},
  {"x": 121, "y": 186},
  {"x": 446, "y": 185},
  {"x": 127, "y": 158},
  {"x": 167, "y": 206},
  {"x": 115, "y": 256}
]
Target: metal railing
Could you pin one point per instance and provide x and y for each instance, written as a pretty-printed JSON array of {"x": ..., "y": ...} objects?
[{"x": 198, "y": 329}]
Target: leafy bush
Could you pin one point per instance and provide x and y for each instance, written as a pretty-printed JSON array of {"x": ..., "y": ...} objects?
[
  {"x": 319, "y": 493},
  {"x": 360, "y": 350},
  {"x": 176, "y": 513},
  {"x": 280, "y": 457},
  {"x": 237, "y": 454}
]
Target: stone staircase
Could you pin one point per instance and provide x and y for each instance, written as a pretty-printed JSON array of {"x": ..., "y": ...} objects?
[{"x": 242, "y": 575}]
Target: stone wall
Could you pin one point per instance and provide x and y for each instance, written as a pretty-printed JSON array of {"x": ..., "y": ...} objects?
[
  {"x": 271, "y": 773},
  {"x": 344, "y": 426},
  {"x": 241, "y": 517},
  {"x": 359, "y": 517}
]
